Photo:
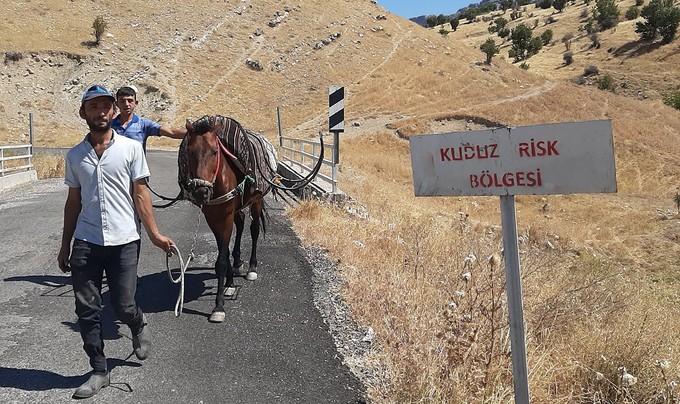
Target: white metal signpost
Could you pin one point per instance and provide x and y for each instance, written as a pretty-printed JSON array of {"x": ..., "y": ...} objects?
[{"x": 563, "y": 158}]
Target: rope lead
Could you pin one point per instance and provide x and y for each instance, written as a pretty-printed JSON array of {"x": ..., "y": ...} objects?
[{"x": 179, "y": 304}]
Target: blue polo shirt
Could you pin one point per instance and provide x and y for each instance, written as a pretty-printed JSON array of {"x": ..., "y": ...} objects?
[
  {"x": 108, "y": 216},
  {"x": 138, "y": 129}
]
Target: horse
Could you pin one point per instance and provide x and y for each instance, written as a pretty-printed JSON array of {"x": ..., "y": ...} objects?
[{"x": 225, "y": 169}]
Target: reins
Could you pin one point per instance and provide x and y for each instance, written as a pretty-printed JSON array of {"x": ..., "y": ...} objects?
[{"x": 165, "y": 198}]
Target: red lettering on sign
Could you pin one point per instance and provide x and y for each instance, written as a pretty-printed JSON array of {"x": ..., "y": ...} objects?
[
  {"x": 506, "y": 180},
  {"x": 469, "y": 152},
  {"x": 538, "y": 148}
]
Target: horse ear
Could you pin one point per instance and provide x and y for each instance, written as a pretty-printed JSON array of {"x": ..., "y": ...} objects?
[
  {"x": 189, "y": 126},
  {"x": 217, "y": 126}
]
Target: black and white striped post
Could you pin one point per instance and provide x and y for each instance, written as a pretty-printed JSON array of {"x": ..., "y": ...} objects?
[{"x": 336, "y": 117}]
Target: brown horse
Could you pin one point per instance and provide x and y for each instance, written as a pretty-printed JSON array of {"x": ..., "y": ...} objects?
[{"x": 225, "y": 169}]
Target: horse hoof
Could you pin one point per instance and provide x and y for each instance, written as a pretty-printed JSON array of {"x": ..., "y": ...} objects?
[
  {"x": 240, "y": 271},
  {"x": 217, "y": 317},
  {"x": 229, "y": 291},
  {"x": 252, "y": 275}
]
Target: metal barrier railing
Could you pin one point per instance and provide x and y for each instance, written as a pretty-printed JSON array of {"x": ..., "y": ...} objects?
[
  {"x": 11, "y": 154},
  {"x": 303, "y": 154}
]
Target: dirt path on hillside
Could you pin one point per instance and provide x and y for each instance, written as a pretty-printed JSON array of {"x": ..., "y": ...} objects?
[
  {"x": 370, "y": 125},
  {"x": 532, "y": 92},
  {"x": 248, "y": 53}
]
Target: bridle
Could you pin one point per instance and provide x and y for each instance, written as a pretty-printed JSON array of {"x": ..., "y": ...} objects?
[{"x": 195, "y": 183}]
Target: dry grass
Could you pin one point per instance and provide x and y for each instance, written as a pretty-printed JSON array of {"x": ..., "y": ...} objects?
[
  {"x": 444, "y": 338},
  {"x": 48, "y": 166}
]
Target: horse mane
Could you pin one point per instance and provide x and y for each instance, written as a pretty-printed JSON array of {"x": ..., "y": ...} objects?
[{"x": 203, "y": 124}]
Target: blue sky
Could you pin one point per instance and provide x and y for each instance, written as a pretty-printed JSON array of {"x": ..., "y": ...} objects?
[{"x": 415, "y": 8}]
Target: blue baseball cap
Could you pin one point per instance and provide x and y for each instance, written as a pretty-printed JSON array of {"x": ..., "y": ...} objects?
[{"x": 95, "y": 92}]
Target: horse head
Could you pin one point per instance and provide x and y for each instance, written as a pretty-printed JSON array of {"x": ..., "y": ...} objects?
[{"x": 203, "y": 158}]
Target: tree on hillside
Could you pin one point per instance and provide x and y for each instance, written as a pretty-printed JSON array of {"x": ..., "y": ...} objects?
[
  {"x": 434, "y": 20},
  {"x": 521, "y": 38},
  {"x": 454, "y": 24},
  {"x": 676, "y": 199},
  {"x": 99, "y": 25},
  {"x": 606, "y": 13},
  {"x": 488, "y": 7},
  {"x": 662, "y": 19},
  {"x": 535, "y": 45},
  {"x": 490, "y": 49},
  {"x": 500, "y": 23},
  {"x": 506, "y": 4},
  {"x": 632, "y": 13},
  {"x": 469, "y": 14},
  {"x": 544, "y": 4},
  {"x": 559, "y": 5}
]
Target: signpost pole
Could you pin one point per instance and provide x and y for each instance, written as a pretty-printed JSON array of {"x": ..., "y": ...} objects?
[
  {"x": 278, "y": 121},
  {"x": 514, "y": 292}
]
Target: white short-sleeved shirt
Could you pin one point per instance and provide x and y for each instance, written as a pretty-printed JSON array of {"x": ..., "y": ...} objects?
[{"x": 108, "y": 216}]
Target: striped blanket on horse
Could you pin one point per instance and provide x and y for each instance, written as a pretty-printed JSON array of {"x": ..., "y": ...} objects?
[{"x": 255, "y": 155}]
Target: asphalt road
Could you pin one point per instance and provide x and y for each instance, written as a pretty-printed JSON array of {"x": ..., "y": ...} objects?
[{"x": 273, "y": 348}]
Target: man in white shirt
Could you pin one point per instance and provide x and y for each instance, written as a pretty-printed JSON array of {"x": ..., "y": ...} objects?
[{"x": 106, "y": 176}]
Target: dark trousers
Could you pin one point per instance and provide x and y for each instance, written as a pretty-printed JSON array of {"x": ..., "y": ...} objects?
[{"x": 88, "y": 263}]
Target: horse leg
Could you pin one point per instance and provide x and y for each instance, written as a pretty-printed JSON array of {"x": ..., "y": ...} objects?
[
  {"x": 222, "y": 270},
  {"x": 239, "y": 222},
  {"x": 256, "y": 213}
]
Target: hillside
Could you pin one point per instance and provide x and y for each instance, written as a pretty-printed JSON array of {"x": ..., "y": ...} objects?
[
  {"x": 189, "y": 59},
  {"x": 641, "y": 69}
]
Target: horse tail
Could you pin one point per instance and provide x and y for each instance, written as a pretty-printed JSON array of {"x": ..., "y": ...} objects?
[{"x": 263, "y": 218}]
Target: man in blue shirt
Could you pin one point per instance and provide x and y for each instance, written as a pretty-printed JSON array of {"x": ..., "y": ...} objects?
[
  {"x": 107, "y": 194},
  {"x": 129, "y": 124}
]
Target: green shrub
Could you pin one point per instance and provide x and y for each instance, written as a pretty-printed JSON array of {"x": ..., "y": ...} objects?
[
  {"x": 632, "y": 13},
  {"x": 568, "y": 57},
  {"x": 546, "y": 36},
  {"x": 606, "y": 83},
  {"x": 99, "y": 25},
  {"x": 535, "y": 45},
  {"x": 524, "y": 66},
  {"x": 673, "y": 99}
]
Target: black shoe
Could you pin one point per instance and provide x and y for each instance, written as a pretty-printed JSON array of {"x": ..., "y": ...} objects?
[
  {"x": 92, "y": 386},
  {"x": 141, "y": 343}
]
